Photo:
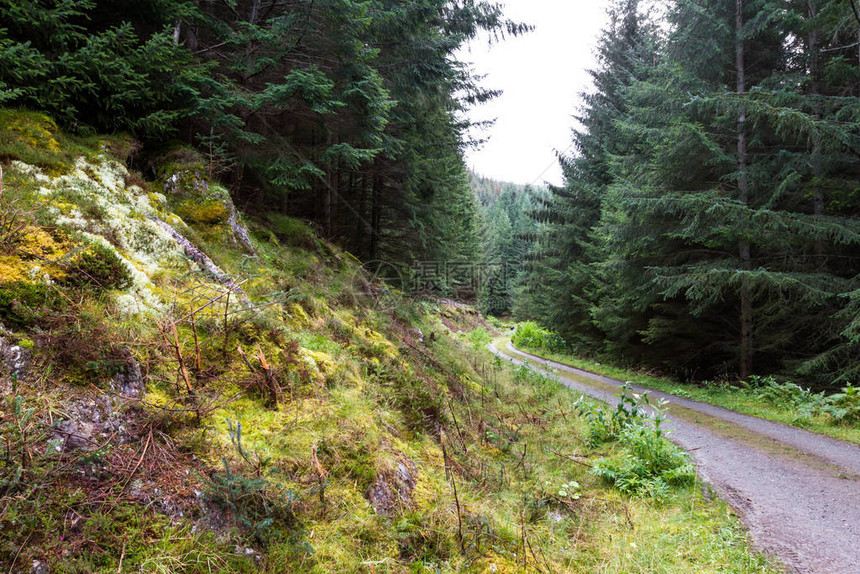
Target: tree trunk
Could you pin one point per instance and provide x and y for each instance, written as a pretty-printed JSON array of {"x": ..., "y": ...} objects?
[
  {"x": 744, "y": 248},
  {"x": 815, "y": 90},
  {"x": 329, "y": 184},
  {"x": 362, "y": 226},
  {"x": 375, "y": 216}
]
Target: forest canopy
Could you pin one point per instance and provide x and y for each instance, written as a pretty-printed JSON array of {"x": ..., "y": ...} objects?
[
  {"x": 708, "y": 225},
  {"x": 341, "y": 112}
]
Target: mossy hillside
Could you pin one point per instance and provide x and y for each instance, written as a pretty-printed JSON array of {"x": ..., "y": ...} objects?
[{"x": 344, "y": 409}]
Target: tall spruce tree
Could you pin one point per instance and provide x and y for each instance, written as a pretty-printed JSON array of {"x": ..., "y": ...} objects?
[
  {"x": 507, "y": 234},
  {"x": 98, "y": 67},
  {"x": 344, "y": 112},
  {"x": 559, "y": 286},
  {"x": 724, "y": 215}
]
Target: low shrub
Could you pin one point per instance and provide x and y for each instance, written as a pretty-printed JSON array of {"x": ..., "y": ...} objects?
[
  {"x": 531, "y": 335},
  {"x": 840, "y": 408},
  {"x": 25, "y": 305},
  {"x": 98, "y": 266},
  {"x": 844, "y": 407},
  {"x": 649, "y": 465},
  {"x": 606, "y": 426},
  {"x": 479, "y": 337},
  {"x": 260, "y": 509}
]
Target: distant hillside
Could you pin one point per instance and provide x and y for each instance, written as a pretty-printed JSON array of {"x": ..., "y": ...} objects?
[{"x": 488, "y": 190}]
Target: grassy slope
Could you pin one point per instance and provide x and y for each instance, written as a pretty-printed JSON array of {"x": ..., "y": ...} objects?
[
  {"x": 337, "y": 398},
  {"x": 733, "y": 398}
]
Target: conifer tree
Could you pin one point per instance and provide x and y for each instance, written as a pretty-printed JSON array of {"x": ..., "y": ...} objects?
[
  {"x": 729, "y": 250},
  {"x": 559, "y": 287}
]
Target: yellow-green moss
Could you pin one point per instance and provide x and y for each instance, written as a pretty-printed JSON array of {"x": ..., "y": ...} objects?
[
  {"x": 206, "y": 212},
  {"x": 324, "y": 362},
  {"x": 36, "y": 257},
  {"x": 30, "y": 129}
]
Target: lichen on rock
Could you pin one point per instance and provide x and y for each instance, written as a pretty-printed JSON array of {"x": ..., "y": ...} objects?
[{"x": 391, "y": 491}]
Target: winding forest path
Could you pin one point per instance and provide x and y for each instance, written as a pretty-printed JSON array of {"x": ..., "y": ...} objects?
[{"x": 797, "y": 492}]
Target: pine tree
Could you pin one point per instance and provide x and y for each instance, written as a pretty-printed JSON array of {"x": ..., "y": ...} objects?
[
  {"x": 559, "y": 288},
  {"x": 92, "y": 68},
  {"x": 724, "y": 229}
]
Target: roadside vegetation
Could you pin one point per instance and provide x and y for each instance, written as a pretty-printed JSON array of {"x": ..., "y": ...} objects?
[{"x": 836, "y": 414}]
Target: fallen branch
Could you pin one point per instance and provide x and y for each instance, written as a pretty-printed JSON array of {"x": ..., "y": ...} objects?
[
  {"x": 195, "y": 254},
  {"x": 570, "y": 458}
]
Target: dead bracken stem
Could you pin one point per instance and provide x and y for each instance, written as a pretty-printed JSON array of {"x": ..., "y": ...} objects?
[
  {"x": 121, "y": 558},
  {"x": 526, "y": 544},
  {"x": 449, "y": 472},
  {"x": 457, "y": 424},
  {"x": 177, "y": 350},
  {"x": 198, "y": 368},
  {"x": 264, "y": 375},
  {"x": 226, "y": 328},
  {"x": 175, "y": 345},
  {"x": 321, "y": 474}
]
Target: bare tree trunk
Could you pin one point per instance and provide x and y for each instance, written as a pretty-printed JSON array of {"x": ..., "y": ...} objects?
[
  {"x": 375, "y": 216},
  {"x": 744, "y": 249},
  {"x": 362, "y": 226},
  {"x": 815, "y": 90},
  {"x": 253, "y": 18}
]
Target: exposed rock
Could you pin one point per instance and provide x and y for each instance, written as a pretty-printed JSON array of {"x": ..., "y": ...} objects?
[
  {"x": 393, "y": 491},
  {"x": 129, "y": 382},
  {"x": 248, "y": 552},
  {"x": 213, "y": 518},
  {"x": 207, "y": 265},
  {"x": 90, "y": 423},
  {"x": 39, "y": 567},
  {"x": 176, "y": 183},
  {"x": 16, "y": 359},
  {"x": 240, "y": 232},
  {"x": 190, "y": 183}
]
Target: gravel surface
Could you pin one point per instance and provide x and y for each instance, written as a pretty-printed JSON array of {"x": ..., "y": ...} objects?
[{"x": 797, "y": 492}]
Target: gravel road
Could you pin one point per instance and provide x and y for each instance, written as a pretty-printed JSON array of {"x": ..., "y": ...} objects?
[{"x": 797, "y": 492}]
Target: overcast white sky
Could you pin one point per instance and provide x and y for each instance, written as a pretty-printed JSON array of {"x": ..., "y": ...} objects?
[{"x": 541, "y": 74}]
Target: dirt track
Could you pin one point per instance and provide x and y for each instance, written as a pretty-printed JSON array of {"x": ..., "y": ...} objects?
[{"x": 797, "y": 492}]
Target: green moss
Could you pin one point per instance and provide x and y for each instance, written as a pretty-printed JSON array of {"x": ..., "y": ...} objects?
[
  {"x": 174, "y": 157},
  {"x": 34, "y": 138},
  {"x": 207, "y": 212},
  {"x": 292, "y": 231},
  {"x": 31, "y": 130}
]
